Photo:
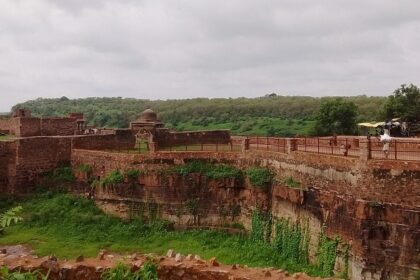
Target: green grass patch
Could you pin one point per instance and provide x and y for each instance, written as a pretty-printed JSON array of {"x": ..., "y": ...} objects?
[
  {"x": 114, "y": 177},
  {"x": 292, "y": 183},
  {"x": 123, "y": 272},
  {"x": 61, "y": 175},
  {"x": 213, "y": 171},
  {"x": 6, "y": 137},
  {"x": 68, "y": 226},
  {"x": 87, "y": 168},
  {"x": 132, "y": 174},
  {"x": 259, "y": 176}
]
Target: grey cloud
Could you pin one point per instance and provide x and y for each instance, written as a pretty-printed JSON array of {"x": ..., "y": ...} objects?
[{"x": 181, "y": 49}]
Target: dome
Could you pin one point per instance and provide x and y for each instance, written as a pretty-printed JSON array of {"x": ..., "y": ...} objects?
[{"x": 148, "y": 115}]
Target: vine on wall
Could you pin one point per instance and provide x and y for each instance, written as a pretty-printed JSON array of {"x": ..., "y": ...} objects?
[
  {"x": 326, "y": 254},
  {"x": 291, "y": 243}
]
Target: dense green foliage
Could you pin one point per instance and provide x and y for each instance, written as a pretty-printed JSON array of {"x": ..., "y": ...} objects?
[
  {"x": 87, "y": 168},
  {"x": 61, "y": 175},
  {"x": 326, "y": 254},
  {"x": 336, "y": 116},
  {"x": 11, "y": 216},
  {"x": 259, "y": 176},
  {"x": 213, "y": 171},
  {"x": 5, "y": 274},
  {"x": 67, "y": 226},
  {"x": 290, "y": 182},
  {"x": 124, "y": 272},
  {"x": 132, "y": 174},
  {"x": 114, "y": 177},
  {"x": 292, "y": 241},
  {"x": 404, "y": 103},
  {"x": 268, "y": 115}
]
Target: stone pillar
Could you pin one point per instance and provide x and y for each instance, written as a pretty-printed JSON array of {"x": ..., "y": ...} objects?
[
  {"x": 245, "y": 145},
  {"x": 291, "y": 145},
  {"x": 364, "y": 148}
]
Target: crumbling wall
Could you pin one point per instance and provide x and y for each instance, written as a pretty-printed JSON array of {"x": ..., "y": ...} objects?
[
  {"x": 166, "y": 138},
  {"x": 119, "y": 140},
  {"x": 5, "y": 125},
  {"x": 37, "y": 155},
  {"x": 343, "y": 194},
  {"x": 7, "y": 160},
  {"x": 58, "y": 126},
  {"x": 27, "y": 127}
]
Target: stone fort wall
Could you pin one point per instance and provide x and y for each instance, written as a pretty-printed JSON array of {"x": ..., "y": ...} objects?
[
  {"x": 371, "y": 204},
  {"x": 354, "y": 199}
]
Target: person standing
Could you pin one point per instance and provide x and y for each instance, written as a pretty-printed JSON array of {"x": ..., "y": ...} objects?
[{"x": 386, "y": 140}]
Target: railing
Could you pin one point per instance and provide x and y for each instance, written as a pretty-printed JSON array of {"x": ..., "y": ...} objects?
[
  {"x": 273, "y": 144},
  {"x": 332, "y": 146},
  {"x": 223, "y": 147},
  {"x": 396, "y": 149}
]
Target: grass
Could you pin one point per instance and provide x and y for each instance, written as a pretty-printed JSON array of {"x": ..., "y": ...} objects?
[
  {"x": 261, "y": 126},
  {"x": 67, "y": 226},
  {"x": 291, "y": 182},
  {"x": 213, "y": 171},
  {"x": 6, "y": 137},
  {"x": 259, "y": 176}
]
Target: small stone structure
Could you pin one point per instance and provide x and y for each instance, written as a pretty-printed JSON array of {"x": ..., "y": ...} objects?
[{"x": 148, "y": 121}]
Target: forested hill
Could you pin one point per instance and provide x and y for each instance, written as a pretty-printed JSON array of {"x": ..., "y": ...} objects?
[{"x": 268, "y": 115}]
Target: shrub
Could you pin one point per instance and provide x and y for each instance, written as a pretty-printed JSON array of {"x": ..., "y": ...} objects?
[
  {"x": 115, "y": 177},
  {"x": 213, "y": 171},
  {"x": 5, "y": 274},
  {"x": 132, "y": 174},
  {"x": 86, "y": 168},
  {"x": 11, "y": 216},
  {"x": 292, "y": 183},
  {"x": 326, "y": 254},
  {"x": 123, "y": 272},
  {"x": 62, "y": 174},
  {"x": 259, "y": 176}
]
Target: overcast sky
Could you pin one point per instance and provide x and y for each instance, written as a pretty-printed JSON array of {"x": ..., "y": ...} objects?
[{"x": 187, "y": 48}]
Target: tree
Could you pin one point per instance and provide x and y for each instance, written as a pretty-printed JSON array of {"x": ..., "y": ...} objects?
[
  {"x": 404, "y": 103},
  {"x": 336, "y": 116}
]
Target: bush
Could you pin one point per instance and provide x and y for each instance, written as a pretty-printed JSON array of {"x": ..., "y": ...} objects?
[
  {"x": 132, "y": 174},
  {"x": 290, "y": 182},
  {"x": 86, "y": 168},
  {"x": 123, "y": 272},
  {"x": 115, "y": 177},
  {"x": 213, "y": 171},
  {"x": 5, "y": 274},
  {"x": 259, "y": 176},
  {"x": 62, "y": 175}
]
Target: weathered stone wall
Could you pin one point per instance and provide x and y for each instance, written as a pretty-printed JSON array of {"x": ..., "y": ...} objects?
[
  {"x": 344, "y": 194},
  {"x": 7, "y": 160},
  {"x": 120, "y": 140},
  {"x": 35, "y": 156},
  {"x": 27, "y": 127},
  {"x": 166, "y": 138},
  {"x": 5, "y": 125},
  {"x": 58, "y": 126}
]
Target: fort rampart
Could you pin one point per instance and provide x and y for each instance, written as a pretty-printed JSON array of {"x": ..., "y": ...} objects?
[{"x": 373, "y": 205}]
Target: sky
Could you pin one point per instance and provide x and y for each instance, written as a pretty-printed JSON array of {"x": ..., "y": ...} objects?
[{"x": 156, "y": 49}]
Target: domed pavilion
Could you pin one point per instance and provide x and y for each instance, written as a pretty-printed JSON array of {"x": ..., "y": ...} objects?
[{"x": 148, "y": 120}]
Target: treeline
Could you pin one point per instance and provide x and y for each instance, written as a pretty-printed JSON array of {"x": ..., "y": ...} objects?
[{"x": 118, "y": 112}]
